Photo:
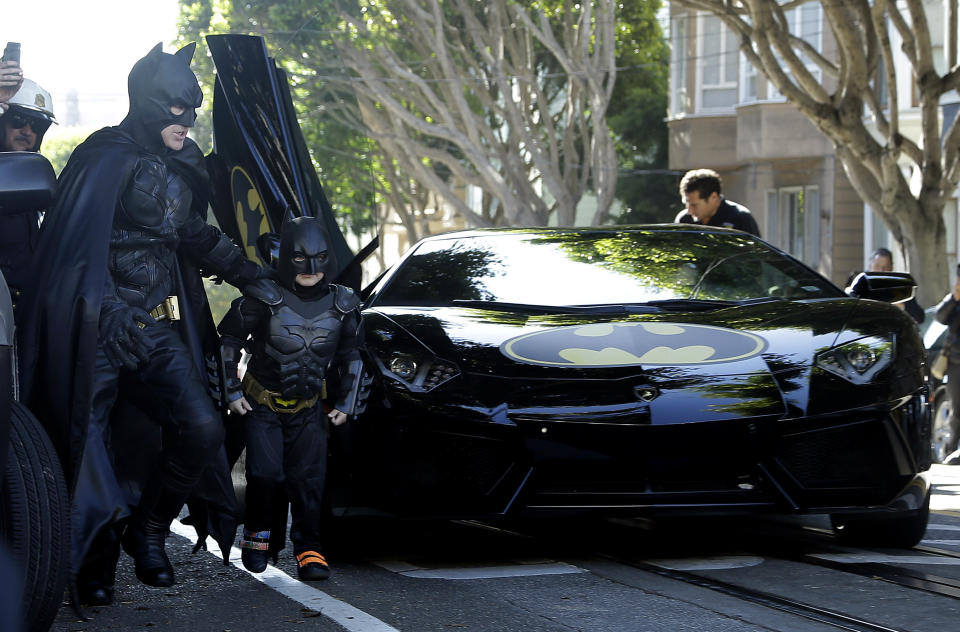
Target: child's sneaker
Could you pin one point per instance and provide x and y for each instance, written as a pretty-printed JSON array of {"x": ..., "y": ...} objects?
[
  {"x": 312, "y": 566},
  {"x": 255, "y": 550}
]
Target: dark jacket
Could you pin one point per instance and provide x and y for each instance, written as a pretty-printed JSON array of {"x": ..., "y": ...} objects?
[
  {"x": 729, "y": 215},
  {"x": 948, "y": 313},
  {"x": 18, "y": 238}
]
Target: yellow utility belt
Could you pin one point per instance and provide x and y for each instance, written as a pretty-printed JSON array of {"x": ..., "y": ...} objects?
[
  {"x": 169, "y": 309},
  {"x": 272, "y": 399}
]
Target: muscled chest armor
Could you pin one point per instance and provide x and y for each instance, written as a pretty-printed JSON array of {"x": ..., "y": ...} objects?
[
  {"x": 145, "y": 233},
  {"x": 296, "y": 344}
]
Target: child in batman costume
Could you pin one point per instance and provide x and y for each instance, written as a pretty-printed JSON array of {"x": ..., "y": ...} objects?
[
  {"x": 301, "y": 327},
  {"x": 118, "y": 314}
]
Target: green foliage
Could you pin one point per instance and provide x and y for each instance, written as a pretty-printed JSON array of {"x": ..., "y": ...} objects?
[
  {"x": 58, "y": 147},
  {"x": 297, "y": 34},
  {"x": 220, "y": 296},
  {"x": 637, "y": 116}
]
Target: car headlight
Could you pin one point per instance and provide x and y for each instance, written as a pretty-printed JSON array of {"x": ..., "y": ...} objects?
[
  {"x": 416, "y": 372},
  {"x": 406, "y": 363},
  {"x": 858, "y": 361}
]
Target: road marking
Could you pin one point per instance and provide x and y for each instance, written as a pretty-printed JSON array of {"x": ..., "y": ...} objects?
[
  {"x": 947, "y": 542},
  {"x": 516, "y": 569},
  {"x": 711, "y": 563},
  {"x": 943, "y": 527},
  {"x": 350, "y": 618},
  {"x": 879, "y": 558}
]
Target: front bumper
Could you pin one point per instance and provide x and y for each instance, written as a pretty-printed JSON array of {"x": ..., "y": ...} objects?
[{"x": 446, "y": 462}]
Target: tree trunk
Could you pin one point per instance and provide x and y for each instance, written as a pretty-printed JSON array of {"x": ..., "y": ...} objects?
[{"x": 924, "y": 243}]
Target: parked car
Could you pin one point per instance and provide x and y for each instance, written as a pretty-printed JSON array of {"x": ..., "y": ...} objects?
[
  {"x": 34, "y": 507},
  {"x": 945, "y": 433},
  {"x": 638, "y": 370}
]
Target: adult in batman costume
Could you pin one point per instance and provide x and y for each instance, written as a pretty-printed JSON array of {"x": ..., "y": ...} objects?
[{"x": 117, "y": 315}]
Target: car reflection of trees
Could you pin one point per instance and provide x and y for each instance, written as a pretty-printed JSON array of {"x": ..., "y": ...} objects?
[
  {"x": 436, "y": 278},
  {"x": 751, "y": 396},
  {"x": 665, "y": 260}
]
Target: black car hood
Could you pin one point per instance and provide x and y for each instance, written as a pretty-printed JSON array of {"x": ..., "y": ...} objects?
[{"x": 740, "y": 361}]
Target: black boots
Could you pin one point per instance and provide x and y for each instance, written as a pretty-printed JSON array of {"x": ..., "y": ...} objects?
[
  {"x": 97, "y": 575},
  {"x": 255, "y": 550},
  {"x": 312, "y": 566},
  {"x": 144, "y": 537}
]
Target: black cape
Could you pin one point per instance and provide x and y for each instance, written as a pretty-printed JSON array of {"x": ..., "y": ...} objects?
[{"x": 58, "y": 334}]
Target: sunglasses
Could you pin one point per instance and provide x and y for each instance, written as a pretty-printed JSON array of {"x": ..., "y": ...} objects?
[{"x": 19, "y": 121}]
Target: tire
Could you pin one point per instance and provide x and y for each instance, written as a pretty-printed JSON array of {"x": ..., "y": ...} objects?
[
  {"x": 34, "y": 518},
  {"x": 943, "y": 435},
  {"x": 901, "y": 531}
]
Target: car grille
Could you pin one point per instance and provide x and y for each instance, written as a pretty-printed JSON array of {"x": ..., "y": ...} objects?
[{"x": 853, "y": 455}]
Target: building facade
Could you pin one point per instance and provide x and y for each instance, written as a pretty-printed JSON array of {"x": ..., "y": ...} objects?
[{"x": 725, "y": 116}]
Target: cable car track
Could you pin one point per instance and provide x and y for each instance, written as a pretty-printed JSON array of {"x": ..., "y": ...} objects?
[
  {"x": 826, "y": 616},
  {"x": 886, "y": 572}
]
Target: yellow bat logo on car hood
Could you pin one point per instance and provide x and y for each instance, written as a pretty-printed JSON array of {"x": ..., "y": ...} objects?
[{"x": 631, "y": 344}]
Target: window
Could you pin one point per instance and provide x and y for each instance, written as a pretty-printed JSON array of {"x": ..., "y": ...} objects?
[
  {"x": 806, "y": 22},
  {"x": 678, "y": 61},
  {"x": 793, "y": 221},
  {"x": 880, "y": 84},
  {"x": 718, "y": 64},
  {"x": 748, "y": 87}
]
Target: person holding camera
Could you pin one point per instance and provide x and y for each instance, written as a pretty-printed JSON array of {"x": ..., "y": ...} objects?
[
  {"x": 11, "y": 74},
  {"x": 27, "y": 116},
  {"x": 948, "y": 313}
]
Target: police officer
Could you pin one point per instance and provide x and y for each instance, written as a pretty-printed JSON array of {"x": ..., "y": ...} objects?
[{"x": 28, "y": 116}]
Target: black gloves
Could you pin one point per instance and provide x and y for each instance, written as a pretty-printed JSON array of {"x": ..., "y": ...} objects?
[
  {"x": 121, "y": 334},
  {"x": 230, "y": 351}
]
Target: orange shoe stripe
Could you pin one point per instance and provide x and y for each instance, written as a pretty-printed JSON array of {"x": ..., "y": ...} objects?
[{"x": 310, "y": 557}]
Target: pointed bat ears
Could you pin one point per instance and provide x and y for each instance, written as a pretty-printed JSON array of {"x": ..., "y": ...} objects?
[{"x": 185, "y": 53}]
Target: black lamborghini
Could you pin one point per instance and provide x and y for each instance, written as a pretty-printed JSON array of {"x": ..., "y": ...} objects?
[{"x": 640, "y": 370}]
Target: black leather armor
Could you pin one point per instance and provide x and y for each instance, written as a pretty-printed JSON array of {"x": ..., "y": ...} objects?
[
  {"x": 155, "y": 219},
  {"x": 295, "y": 341}
]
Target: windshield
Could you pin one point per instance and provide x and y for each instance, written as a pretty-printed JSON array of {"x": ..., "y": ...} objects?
[{"x": 599, "y": 268}]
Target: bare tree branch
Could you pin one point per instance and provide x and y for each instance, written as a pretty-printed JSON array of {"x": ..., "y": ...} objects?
[
  {"x": 878, "y": 155},
  {"x": 492, "y": 95}
]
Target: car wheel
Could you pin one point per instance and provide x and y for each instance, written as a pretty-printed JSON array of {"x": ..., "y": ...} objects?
[
  {"x": 34, "y": 517},
  {"x": 943, "y": 435},
  {"x": 900, "y": 530}
]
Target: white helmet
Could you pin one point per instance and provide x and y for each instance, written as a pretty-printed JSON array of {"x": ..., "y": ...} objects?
[{"x": 32, "y": 97}]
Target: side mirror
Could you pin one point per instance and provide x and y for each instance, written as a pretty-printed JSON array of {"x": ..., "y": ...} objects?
[
  {"x": 889, "y": 287},
  {"x": 27, "y": 182}
]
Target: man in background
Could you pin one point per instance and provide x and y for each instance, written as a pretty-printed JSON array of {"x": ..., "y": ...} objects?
[
  {"x": 702, "y": 194},
  {"x": 882, "y": 261}
]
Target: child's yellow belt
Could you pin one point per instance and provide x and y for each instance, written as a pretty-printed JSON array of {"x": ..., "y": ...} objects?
[{"x": 274, "y": 400}]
